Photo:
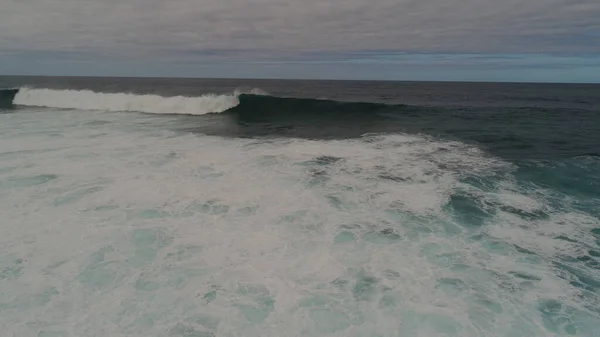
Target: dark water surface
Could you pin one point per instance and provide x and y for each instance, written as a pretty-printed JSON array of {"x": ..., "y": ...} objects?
[{"x": 513, "y": 120}]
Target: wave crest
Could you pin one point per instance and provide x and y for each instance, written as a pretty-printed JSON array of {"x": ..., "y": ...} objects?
[
  {"x": 90, "y": 100},
  {"x": 255, "y": 103}
]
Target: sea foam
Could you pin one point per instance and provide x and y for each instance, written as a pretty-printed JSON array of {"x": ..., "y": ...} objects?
[{"x": 90, "y": 100}]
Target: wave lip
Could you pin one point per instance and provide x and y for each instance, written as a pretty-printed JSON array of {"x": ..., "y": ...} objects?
[{"x": 90, "y": 100}]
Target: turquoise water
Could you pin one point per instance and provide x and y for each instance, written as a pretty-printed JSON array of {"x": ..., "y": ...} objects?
[{"x": 114, "y": 225}]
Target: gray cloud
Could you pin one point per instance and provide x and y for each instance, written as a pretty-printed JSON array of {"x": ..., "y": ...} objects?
[{"x": 272, "y": 29}]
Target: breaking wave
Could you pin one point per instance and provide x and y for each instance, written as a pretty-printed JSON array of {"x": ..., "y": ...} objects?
[
  {"x": 255, "y": 101},
  {"x": 90, "y": 100}
]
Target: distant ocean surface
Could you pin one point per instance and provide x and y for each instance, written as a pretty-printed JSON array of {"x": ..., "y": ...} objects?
[{"x": 200, "y": 208}]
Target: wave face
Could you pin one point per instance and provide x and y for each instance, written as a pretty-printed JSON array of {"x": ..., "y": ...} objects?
[
  {"x": 260, "y": 104},
  {"x": 6, "y": 97},
  {"x": 89, "y": 100}
]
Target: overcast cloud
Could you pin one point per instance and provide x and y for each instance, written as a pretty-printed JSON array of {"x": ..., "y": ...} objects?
[
  {"x": 276, "y": 30},
  {"x": 308, "y": 25}
]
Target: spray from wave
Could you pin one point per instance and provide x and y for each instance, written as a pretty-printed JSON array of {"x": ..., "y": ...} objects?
[{"x": 90, "y": 100}]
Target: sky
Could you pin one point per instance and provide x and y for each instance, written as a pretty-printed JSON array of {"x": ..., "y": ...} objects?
[{"x": 446, "y": 40}]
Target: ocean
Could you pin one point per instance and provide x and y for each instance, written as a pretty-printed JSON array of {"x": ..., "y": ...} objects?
[{"x": 204, "y": 207}]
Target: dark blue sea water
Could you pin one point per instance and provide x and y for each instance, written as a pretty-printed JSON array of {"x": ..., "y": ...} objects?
[{"x": 197, "y": 207}]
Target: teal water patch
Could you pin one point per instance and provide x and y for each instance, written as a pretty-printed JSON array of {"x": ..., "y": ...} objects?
[
  {"x": 320, "y": 301},
  {"x": 47, "y": 333},
  {"x": 483, "y": 311},
  {"x": 325, "y": 315},
  {"x": 45, "y": 296},
  {"x": 23, "y": 153},
  {"x": 325, "y": 160},
  {"x": 51, "y": 268},
  {"x": 572, "y": 184},
  {"x": 165, "y": 277},
  {"x": 147, "y": 283},
  {"x": 336, "y": 202},
  {"x": 468, "y": 210},
  {"x": 207, "y": 172},
  {"x": 270, "y": 160},
  {"x": 384, "y": 236},
  {"x": 317, "y": 170},
  {"x": 148, "y": 242},
  {"x": 579, "y": 275},
  {"x": 295, "y": 216},
  {"x": 317, "y": 178},
  {"x": 596, "y": 233},
  {"x": 143, "y": 322},
  {"x": 344, "y": 237},
  {"x": 98, "y": 135},
  {"x": 28, "y": 181},
  {"x": 449, "y": 228},
  {"x": 209, "y": 322},
  {"x": 388, "y": 302},
  {"x": 182, "y": 330},
  {"x": 494, "y": 246},
  {"x": 394, "y": 178},
  {"x": 255, "y": 302},
  {"x": 11, "y": 169},
  {"x": 416, "y": 226},
  {"x": 100, "y": 270},
  {"x": 162, "y": 159},
  {"x": 452, "y": 286},
  {"x": 525, "y": 276},
  {"x": 104, "y": 208},
  {"x": 391, "y": 274},
  {"x": 563, "y": 319},
  {"x": 365, "y": 287},
  {"x": 151, "y": 214},
  {"x": 437, "y": 253},
  {"x": 98, "y": 122},
  {"x": 579, "y": 177},
  {"x": 184, "y": 253},
  {"x": 211, "y": 295},
  {"x": 329, "y": 320},
  {"x": 566, "y": 238},
  {"x": 74, "y": 196},
  {"x": 248, "y": 210},
  {"x": 481, "y": 182},
  {"x": 212, "y": 207},
  {"x": 32, "y": 300},
  {"x": 594, "y": 253},
  {"x": 534, "y": 215},
  {"x": 11, "y": 268},
  {"x": 414, "y": 321}
]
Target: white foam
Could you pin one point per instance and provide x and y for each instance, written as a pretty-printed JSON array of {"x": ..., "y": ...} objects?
[
  {"x": 142, "y": 235},
  {"x": 89, "y": 100}
]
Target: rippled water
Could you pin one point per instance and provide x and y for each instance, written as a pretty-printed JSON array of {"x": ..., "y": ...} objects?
[{"x": 113, "y": 225}]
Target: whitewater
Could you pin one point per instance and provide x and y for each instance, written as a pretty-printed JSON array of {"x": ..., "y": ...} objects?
[
  {"x": 90, "y": 100},
  {"x": 132, "y": 214}
]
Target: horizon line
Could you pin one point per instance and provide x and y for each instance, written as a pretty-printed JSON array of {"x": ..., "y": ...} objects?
[{"x": 306, "y": 79}]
